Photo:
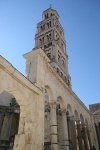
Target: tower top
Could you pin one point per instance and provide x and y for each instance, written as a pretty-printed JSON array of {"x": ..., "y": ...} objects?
[{"x": 50, "y": 12}]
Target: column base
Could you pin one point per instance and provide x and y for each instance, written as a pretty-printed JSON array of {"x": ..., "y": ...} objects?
[{"x": 65, "y": 144}]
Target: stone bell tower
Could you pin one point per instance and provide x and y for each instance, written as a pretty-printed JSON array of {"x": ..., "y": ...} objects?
[{"x": 50, "y": 37}]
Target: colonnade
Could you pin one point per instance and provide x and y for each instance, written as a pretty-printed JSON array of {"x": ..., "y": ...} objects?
[
  {"x": 75, "y": 134},
  {"x": 53, "y": 126}
]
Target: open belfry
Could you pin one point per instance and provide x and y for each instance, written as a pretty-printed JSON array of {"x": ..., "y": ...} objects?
[{"x": 41, "y": 111}]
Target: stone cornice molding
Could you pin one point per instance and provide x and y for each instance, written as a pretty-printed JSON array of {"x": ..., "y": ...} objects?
[
  {"x": 16, "y": 75},
  {"x": 34, "y": 53}
]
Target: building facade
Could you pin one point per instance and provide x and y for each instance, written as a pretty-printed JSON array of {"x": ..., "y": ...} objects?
[{"x": 41, "y": 111}]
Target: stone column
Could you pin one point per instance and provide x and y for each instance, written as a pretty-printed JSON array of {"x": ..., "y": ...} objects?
[
  {"x": 85, "y": 137},
  {"x": 1, "y": 121},
  {"x": 73, "y": 133},
  {"x": 53, "y": 125},
  {"x": 65, "y": 130},
  {"x": 5, "y": 132},
  {"x": 69, "y": 128},
  {"x": 89, "y": 138},
  {"x": 98, "y": 133},
  {"x": 79, "y": 128}
]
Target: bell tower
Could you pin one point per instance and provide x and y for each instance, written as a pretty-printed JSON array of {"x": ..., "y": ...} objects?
[{"x": 50, "y": 37}]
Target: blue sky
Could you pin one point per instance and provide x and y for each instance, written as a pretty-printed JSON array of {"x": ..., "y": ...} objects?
[{"x": 81, "y": 22}]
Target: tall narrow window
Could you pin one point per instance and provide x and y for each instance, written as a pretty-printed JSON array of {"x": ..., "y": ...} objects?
[
  {"x": 43, "y": 40},
  {"x": 47, "y": 24},
  {"x": 47, "y": 38},
  {"x": 50, "y": 23}
]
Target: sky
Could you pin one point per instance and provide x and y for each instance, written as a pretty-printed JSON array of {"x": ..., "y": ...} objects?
[{"x": 81, "y": 22}]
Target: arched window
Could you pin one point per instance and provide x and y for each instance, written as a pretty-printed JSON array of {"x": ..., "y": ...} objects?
[
  {"x": 43, "y": 40},
  {"x": 40, "y": 41},
  {"x": 46, "y": 16},
  {"x": 47, "y": 38},
  {"x": 68, "y": 82},
  {"x": 61, "y": 74},
  {"x": 57, "y": 70},
  {"x": 41, "y": 27},
  {"x": 63, "y": 62},
  {"x": 50, "y": 23}
]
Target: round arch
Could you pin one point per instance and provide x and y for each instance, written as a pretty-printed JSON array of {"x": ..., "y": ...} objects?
[
  {"x": 76, "y": 114},
  {"x": 49, "y": 92},
  {"x": 69, "y": 109},
  {"x": 81, "y": 117},
  {"x": 61, "y": 102},
  {"x": 86, "y": 122}
]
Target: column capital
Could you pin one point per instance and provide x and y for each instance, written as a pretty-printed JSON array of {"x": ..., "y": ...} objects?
[
  {"x": 53, "y": 104},
  {"x": 63, "y": 110}
]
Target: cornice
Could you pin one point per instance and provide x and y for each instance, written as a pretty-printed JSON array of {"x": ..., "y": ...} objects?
[{"x": 15, "y": 74}]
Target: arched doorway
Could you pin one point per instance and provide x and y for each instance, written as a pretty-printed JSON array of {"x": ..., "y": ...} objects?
[{"x": 9, "y": 120}]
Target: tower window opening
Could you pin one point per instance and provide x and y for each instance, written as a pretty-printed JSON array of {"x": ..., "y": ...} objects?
[
  {"x": 40, "y": 41},
  {"x": 61, "y": 32},
  {"x": 51, "y": 14},
  {"x": 58, "y": 57},
  {"x": 63, "y": 61},
  {"x": 43, "y": 40},
  {"x": 47, "y": 38},
  {"x": 50, "y": 23},
  {"x": 68, "y": 82},
  {"x": 46, "y": 16},
  {"x": 57, "y": 70},
  {"x": 49, "y": 55},
  {"x": 42, "y": 27},
  {"x": 47, "y": 24},
  {"x": 61, "y": 74}
]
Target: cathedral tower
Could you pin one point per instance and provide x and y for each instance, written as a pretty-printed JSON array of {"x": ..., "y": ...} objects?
[{"x": 50, "y": 37}]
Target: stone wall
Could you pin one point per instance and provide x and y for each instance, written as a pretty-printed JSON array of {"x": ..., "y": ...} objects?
[{"x": 30, "y": 99}]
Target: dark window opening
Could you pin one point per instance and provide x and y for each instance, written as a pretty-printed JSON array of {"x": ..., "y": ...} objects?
[
  {"x": 49, "y": 55},
  {"x": 57, "y": 70}
]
